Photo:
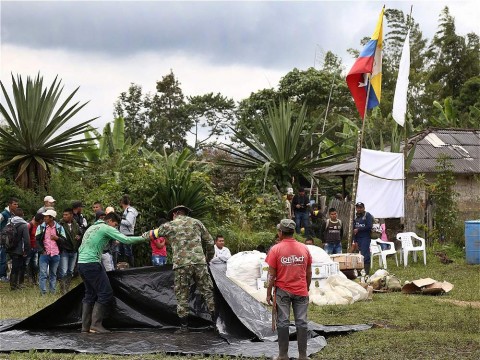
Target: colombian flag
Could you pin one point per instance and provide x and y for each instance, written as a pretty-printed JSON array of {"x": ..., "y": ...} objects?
[{"x": 368, "y": 68}]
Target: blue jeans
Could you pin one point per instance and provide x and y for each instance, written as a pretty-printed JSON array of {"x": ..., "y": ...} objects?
[
  {"x": 159, "y": 260},
  {"x": 67, "y": 263},
  {"x": 97, "y": 285},
  {"x": 3, "y": 262},
  {"x": 364, "y": 247},
  {"x": 333, "y": 248},
  {"x": 302, "y": 220},
  {"x": 31, "y": 263},
  {"x": 50, "y": 264},
  {"x": 299, "y": 305}
]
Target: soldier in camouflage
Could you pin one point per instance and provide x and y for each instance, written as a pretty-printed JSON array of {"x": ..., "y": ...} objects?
[{"x": 188, "y": 237}]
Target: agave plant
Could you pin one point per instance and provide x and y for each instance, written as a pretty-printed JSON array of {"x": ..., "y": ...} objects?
[
  {"x": 180, "y": 186},
  {"x": 33, "y": 141},
  {"x": 282, "y": 145}
]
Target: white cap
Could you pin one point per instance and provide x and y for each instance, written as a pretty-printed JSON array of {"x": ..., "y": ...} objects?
[
  {"x": 51, "y": 213},
  {"x": 290, "y": 191},
  {"x": 49, "y": 198},
  {"x": 109, "y": 209}
]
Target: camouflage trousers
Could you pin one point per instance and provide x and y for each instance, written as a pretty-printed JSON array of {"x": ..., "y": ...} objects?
[{"x": 183, "y": 279}]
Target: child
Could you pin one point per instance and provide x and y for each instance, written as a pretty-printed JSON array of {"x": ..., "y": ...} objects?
[{"x": 159, "y": 249}]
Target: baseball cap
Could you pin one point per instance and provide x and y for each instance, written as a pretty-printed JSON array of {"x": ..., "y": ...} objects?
[
  {"x": 290, "y": 191},
  {"x": 49, "y": 198},
  {"x": 51, "y": 213},
  {"x": 99, "y": 213},
  {"x": 301, "y": 189},
  {"x": 360, "y": 204},
  {"x": 286, "y": 225}
]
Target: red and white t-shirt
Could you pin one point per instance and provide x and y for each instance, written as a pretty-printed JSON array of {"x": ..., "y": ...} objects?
[{"x": 291, "y": 260}]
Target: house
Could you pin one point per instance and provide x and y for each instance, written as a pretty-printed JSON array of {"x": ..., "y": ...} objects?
[{"x": 461, "y": 146}]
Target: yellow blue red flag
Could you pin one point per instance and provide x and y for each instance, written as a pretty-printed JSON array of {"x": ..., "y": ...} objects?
[{"x": 368, "y": 69}]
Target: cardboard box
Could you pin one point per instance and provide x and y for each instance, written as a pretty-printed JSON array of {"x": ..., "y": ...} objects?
[
  {"x": 427, "y": 286},
  {"x": 348, "y": 261}
]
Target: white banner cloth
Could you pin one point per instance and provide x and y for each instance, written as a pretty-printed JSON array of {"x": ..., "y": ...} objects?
[
  {"x": 382, "y": 198},
  {"x": 400, "y": 98}
]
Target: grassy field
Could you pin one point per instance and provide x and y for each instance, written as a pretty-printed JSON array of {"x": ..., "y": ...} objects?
[{"x": 404, "y": 326}]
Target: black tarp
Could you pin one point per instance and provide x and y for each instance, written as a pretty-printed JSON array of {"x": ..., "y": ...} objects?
[{"x": 143, "y": 318}]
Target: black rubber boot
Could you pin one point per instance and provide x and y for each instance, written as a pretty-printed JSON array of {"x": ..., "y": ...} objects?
[
  {"x": 86, "y": 317},
  {"x": 183, "y": 326},
  {"x": 302, "y": 337},
  {"x": 283, "y": 339},
  {"x": 98, "y": 313}
]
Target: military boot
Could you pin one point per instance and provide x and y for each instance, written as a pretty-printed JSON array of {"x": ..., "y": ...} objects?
[
  {"x": 183, "y": 326},
  {"x": 68, "y": 282},
  {"x": 63, "y": 290}
]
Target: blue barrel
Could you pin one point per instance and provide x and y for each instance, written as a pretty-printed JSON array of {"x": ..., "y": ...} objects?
[{"x": 472, "y": 241}]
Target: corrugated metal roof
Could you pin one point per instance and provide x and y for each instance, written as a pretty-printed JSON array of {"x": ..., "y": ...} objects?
[{"x": 462, "y": 146}]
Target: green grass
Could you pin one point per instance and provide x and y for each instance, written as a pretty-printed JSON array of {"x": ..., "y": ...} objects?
[{"x": 405, "y": 326}]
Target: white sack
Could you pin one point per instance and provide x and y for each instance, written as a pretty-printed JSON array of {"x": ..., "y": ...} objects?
[
  {"x": 319, "y": 255},
  {"x": 244, "y": 267}
]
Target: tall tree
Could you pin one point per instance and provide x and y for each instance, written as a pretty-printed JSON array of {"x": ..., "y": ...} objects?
[
  {"x": 168, "y": 121},
  {"x": 130, "y": 106},
  {"x": 453, "y": 59},
  {"x": 210, "y": 115},
  {"x": 34, "y": 142}
]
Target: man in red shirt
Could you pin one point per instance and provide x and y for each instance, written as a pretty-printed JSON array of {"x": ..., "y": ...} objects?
[{"x": 290, "y": 271}]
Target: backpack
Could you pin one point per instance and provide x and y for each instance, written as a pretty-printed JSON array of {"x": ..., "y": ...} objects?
[{"x": 8, "y": 236}]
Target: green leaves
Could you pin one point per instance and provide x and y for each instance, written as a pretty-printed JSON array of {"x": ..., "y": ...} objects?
[
  {"x": 282, "y": 146},
  {"x": 36, "y": 138}
]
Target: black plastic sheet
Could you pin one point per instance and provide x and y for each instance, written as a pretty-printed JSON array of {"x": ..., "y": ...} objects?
[{"x": 143, "y": 319}]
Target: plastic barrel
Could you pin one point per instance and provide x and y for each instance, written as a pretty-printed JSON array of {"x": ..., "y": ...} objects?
[{"x": 472, "y": 241}]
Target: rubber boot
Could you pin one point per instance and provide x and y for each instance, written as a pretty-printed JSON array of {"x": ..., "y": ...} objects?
[
  {"x": 98, "y": 313},
  {"x": 302, "y": 337},
  {"x": 130, "y": 261},
  {"x": 14, "y": 282},
  {"x": 86, "y": 317},
  {"x": 367, "y": 269},
  {"x": 283, "y": 339},
  {"x": 183, "y": 326}
]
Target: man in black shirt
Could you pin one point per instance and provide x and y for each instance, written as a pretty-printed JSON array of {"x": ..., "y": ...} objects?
[{"x": 301, "y": 209}]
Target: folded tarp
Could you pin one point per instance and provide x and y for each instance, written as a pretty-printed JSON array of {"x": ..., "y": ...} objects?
[{"x": 143, "y": 318}]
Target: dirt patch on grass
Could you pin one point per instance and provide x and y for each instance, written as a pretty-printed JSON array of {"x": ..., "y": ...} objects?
[{"x": 474, "y": 304}]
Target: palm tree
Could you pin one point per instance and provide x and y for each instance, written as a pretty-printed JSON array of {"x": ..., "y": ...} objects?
[
  {"x": 33, "y": 142},
  {"x": 282, "y": 145}
]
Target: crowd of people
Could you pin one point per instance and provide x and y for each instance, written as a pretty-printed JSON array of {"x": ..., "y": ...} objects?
[{"x": 54, "y": 249}]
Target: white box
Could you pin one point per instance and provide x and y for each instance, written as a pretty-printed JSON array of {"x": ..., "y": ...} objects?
[
  {"x": 263, "y": 270},
  {"x": 320, "y": 271},
  {"x": 261, "y": 284},
  {"x": 334, "y": 268}
]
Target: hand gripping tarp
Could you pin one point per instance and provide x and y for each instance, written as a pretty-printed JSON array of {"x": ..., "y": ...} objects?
[{"x": 143, "y": 318}]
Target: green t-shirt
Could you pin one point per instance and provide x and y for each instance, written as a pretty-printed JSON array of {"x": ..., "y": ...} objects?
[{"x": 95, "y": 239}]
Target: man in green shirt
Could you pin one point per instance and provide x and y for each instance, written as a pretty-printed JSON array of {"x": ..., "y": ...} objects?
[{"x": 98, "y": 291}]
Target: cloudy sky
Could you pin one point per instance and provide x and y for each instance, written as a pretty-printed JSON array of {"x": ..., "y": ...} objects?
[{"x": 230, "y": 47}]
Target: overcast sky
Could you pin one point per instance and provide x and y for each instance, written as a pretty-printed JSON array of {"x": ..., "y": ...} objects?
[{"x": 234, "y": 48}]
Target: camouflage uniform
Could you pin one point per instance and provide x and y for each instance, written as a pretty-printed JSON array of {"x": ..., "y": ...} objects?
[{"x": 188, "y": 237}]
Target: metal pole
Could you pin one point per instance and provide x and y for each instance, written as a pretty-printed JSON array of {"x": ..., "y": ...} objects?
[{"x": 357, "y": 169}]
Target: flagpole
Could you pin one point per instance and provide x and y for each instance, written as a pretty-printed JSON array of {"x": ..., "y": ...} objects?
[
  {"x": 357, "y": 168},
  {"x": 405, "y": 150}
]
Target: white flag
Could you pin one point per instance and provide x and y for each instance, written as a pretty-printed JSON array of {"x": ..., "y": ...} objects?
[{"x": 400, "y": 98}]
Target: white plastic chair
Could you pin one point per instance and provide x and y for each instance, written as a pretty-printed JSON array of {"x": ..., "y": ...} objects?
[
  {"x": 407, "y": 239},
  {"x": 376, "y": 250}
]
